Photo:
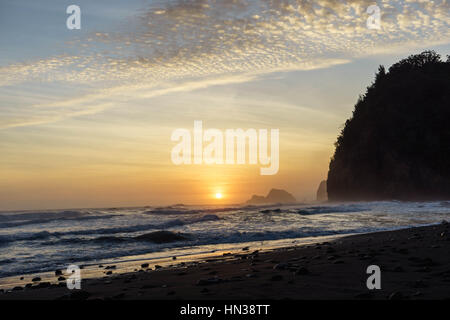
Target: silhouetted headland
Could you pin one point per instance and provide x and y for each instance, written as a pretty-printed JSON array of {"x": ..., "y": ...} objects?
[{"x": 396, "y": 145}]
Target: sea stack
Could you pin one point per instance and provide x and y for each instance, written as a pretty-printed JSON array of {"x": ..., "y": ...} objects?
[
  {"x": 322, "y": 194},
  {"x": 274, "y": 196}
]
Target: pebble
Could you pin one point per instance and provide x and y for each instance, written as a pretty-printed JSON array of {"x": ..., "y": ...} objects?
[
  {"x": 277, "y": 277},
  {"x": 43, "y": 285},
  {"x": 417, "y": 294},
  {"x": 424, "y": 269},
  {"x": 363, "y": 295},
  {"x": 79, "y": 295},
  {"x": 397, "y": 295},
  {"x": 204, "y": 282},
  {"x": 398, "y": 269},
  {"x": 302, "y": 271},
  {"x": 280, "y": 266},
  {"x": 419, "y": 284},
  {"x": 148, "y": 286}
]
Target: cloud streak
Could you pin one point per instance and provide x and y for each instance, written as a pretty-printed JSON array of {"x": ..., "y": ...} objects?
[{"x": 176, "y": 46}]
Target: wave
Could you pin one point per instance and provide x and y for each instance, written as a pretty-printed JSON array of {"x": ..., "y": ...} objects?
[
  {"x": 173, "y": 210},
  {"x": 6, "y": 261},
  {"x": 315, "y": 209},
  {"x": 30, "y": 218},
  {"x": 330, "y": 209},
  {"x": 158, "y": 237},
  {"x": 294, "y": 233},
  {"x": 60, "y": 262},
  {"x": 27, "y": 236},
  {"x": 162, "y": 237},
  {"x": 445, "y": 204}
]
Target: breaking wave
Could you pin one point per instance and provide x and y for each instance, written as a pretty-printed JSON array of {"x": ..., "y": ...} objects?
[
  {"x": 331, "y": 209},
  {"x": 30, "y": 218},
  {"x": 27, "y": 236}
]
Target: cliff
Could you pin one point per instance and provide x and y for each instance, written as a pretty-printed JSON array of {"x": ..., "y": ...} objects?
[{"x": 396, "y": 145}]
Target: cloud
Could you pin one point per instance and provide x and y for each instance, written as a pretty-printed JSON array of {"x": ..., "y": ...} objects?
[
  {"x": 190, "y": 44},
  {"x": 109, "y": 97}
]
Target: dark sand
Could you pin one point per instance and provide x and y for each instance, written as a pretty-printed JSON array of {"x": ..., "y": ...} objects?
[{"x": 415, "y": 264}]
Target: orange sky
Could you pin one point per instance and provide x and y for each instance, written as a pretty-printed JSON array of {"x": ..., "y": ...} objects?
[{"x": 86, "y": 116}]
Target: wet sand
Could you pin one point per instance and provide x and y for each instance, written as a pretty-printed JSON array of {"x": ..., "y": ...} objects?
[{"x": 414, "y": 263}]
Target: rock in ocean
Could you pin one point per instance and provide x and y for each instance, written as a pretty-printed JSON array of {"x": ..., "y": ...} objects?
[{"x": 274, "y": 196}]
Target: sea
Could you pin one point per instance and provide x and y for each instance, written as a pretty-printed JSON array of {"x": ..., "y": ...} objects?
[{"x": 42, "y": 241}]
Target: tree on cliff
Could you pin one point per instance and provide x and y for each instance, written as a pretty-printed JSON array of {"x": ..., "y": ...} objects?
[{"x": 396, "y": 145}]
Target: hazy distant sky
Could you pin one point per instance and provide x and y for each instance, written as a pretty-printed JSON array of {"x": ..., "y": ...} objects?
[{"x": 86, "y": 115}]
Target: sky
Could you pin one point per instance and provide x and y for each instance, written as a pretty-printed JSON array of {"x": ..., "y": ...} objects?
[{"x": 86, "y": 116}]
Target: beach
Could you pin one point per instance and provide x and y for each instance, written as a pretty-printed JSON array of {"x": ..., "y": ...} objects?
[
  {"x": 41, "y": 241},
  {"x": 414, "y": 264},
  {"x": 212, "y": 153}
]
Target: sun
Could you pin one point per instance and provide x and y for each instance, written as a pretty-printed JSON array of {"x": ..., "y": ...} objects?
[{"x": 218, "y": 195}]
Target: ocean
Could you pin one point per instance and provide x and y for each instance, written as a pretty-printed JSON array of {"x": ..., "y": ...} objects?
[{"x": 41, "y": 241}]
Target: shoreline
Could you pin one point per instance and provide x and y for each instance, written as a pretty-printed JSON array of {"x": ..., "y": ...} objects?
[
  {"x": 414, "y": 263},
  {"x": 126, "y": 264},
  {"x": 132, "y": 263}
]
